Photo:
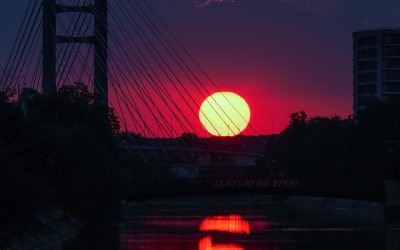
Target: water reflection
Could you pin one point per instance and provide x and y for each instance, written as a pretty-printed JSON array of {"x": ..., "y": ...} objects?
[
  {"x": 189, "y": 232},
  {"x": 230, "y": 224},
  {"x": 206, "y": 244},
  {"x": 239, "y": 226}
]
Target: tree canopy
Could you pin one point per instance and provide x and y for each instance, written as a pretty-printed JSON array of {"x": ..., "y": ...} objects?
[{"x": 363, "y": 150}]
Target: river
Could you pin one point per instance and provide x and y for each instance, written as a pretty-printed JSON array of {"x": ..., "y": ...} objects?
[{"x": 234, "y": 223}]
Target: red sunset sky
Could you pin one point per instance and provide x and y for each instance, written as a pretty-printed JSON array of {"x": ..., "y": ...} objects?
[{"x": 282, "y": 56}]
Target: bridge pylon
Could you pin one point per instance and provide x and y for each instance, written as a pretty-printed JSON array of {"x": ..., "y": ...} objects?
[{"x": 99, "y": 10}]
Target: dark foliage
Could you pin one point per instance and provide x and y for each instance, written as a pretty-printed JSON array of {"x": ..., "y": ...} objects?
[
  {"x": 58, "y": 151},
  {"x": 360, "y": 151}
]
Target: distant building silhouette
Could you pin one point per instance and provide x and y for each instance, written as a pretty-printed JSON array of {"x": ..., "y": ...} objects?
[{"x": 376, "y": 66}]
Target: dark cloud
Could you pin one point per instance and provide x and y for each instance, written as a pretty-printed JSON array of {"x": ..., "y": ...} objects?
[
  {"x": 306, "y": 5},
  {"x": 311, "y": 5},
  {"x": 204, "y": 3}
]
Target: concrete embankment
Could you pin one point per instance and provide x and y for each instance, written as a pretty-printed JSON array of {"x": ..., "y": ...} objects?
[
  {"x": 387, "y": 211},
  {"x": 359, "y": 209},
  {"x": 49, "y": 229}
]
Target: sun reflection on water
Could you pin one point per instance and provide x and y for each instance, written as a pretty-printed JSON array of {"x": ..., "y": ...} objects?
[
  {"x": 234, "y": 224},
  {"x": 206, "y": 244},
  {"x": 229, "y": 224}
]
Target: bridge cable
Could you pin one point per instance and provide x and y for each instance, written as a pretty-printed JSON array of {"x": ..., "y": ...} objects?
[
  {"x": 146, "y": 78},
  {"x": 24, "y": 46},
  {"x": 156, "y": 56},
  {"x": 29, "y": 54},
  {"x": 163, "y": 42},
  {"x": 139, "y": 72},
  {"x": 64, "y": 78},
  {"x": 190, "y": 56},
  {"x": 14, "y": 47}
]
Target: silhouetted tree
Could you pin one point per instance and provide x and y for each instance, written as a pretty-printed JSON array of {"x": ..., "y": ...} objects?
[
  {"x": 59, "y": 150},
  {"x": 19, "y": 186},
  {"x": 361, "y": 151},
  {"x": 310, "y": 148}
]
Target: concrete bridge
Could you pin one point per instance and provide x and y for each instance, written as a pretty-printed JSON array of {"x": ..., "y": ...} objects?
[
  {"x": 201, "y": 156},
  {"x": 249, "y": 186}
]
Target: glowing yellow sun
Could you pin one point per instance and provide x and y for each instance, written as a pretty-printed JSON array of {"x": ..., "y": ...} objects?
[{"x": 224, "y": 114}]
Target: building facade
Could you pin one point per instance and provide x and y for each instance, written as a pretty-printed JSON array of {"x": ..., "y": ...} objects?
[{"x": 376, "y": 70}]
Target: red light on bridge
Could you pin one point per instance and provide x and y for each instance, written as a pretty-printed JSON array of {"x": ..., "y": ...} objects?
[
  {"x": 206, "y": 244},
  {"x": 230, "y": 224}
]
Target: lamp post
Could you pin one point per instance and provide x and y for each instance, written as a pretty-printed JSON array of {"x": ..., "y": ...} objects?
[{"x": 272, "y": 123}]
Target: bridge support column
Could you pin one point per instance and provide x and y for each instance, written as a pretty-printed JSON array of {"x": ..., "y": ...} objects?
[
  {"x": 49, "y": 48},
  {"x": 99, "y": 39},
  {"x": 100, "y": 51}
]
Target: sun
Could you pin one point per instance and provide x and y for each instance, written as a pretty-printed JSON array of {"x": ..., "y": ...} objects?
[{"x": 224, "y": 114}]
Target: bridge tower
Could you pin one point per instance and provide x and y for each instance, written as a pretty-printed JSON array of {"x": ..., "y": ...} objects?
[{"x": 99, "y": 40}]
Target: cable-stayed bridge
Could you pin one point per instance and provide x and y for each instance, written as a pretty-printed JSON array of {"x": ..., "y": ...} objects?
[{"x": 124, "y": 52}]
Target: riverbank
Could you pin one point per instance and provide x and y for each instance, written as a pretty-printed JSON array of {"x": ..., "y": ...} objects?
[
  {"x": 48, "y": 228},
  {"x": 372, "y": 210}
]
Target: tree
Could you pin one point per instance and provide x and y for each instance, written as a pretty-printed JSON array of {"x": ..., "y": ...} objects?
[
  {"x": 59, "y": 150},
  {"x": 310, "y": 148},
  {"x": 19, "y": 187}
]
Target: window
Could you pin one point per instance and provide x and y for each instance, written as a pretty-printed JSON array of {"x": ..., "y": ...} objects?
[
  {"x": 391, "y": 86},
  {"x": 391, "y": 97},
  {"x": 363, "y": 101},
  {"x": 391, "y": 39},
  {"x": 391, "y": 63},
  {"x": 391, "y": 51},
  {"x": 367, "y": 89},
  {"x": 366, "y": 53},
  {"x": 367, "y": 65},
  {"x": 367, "y": 41},
  {"x": 391, "y": 75},
  {"x": 367, "y": 77}
]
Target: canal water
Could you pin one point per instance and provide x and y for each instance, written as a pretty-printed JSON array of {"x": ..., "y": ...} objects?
[{"x": 229, "y": 223}]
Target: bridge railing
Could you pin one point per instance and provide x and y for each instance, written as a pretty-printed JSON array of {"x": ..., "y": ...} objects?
[{"x": 254, "y": 186}]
